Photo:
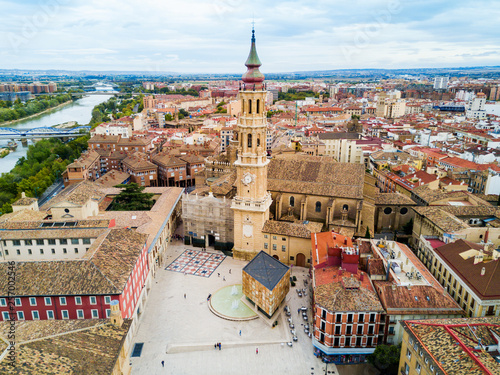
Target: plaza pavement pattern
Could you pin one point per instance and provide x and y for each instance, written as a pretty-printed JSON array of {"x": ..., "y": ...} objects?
[
  {"x": 182, "y": 331},
  {"x": 195, "y": 262}
]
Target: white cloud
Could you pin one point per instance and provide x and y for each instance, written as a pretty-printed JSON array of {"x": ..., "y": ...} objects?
[{"x": 214, "y": 36}]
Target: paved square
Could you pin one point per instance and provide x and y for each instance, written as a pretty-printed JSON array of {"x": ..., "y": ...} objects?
[
  {"x": 195, "y": 262},
  {"x": 182, "y": 331}
]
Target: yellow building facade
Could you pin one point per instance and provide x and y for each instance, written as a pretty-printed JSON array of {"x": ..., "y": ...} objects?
[{"x": 252, "y": 201}]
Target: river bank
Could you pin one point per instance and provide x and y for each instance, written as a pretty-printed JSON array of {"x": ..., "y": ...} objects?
[
  {"x": 45, "y": 111},
  {"x": 4, "y": 152},
  {"x": 78, "y": 112}
]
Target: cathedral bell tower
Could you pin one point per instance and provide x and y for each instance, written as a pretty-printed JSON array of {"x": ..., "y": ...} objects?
[{"x": 252, "y": 200}]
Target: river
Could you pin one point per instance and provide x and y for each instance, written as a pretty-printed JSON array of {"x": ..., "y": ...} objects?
[{"x": 80, "y": 111}]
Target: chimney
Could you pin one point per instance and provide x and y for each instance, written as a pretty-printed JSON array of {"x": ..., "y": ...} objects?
[
  {"x": 116, "y": 314},
  {"x": 483, "y": 271},
  {"x": 23, "y": 195}
]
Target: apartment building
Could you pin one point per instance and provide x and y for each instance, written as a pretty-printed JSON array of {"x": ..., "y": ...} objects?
[
  {"x": 342, "y": 146},
  {"x": 348, "y": 316},
  {"x": 408, "y": 290},
  {"x": 468, "y": 271}
]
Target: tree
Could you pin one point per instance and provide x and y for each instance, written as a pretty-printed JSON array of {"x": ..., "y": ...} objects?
[
  {"x": 367, "y": 234},
  {"x": 386, "y": 358},
  {"x": 132, "y": 198},
  {"x": 183, "y": 112},
  {"x": 168, "y": 117}
]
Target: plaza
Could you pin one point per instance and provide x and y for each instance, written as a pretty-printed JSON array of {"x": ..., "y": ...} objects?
[{"x": 182, "y": 331}]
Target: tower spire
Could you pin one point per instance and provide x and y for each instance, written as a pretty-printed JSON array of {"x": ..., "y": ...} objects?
[{"x": 253, "y": 75}]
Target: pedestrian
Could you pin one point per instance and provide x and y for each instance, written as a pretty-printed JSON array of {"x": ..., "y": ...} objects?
[
  {"x": 219, "y": 346},
  {"x": 298, "y": 311},
  {"x": 223, "y": 278},
  {"x": 162, "y": 363},
  {"x": 218, "y": 274},
  {"x": 240, "y": 332},
  {"x": 256, "y": 350},
  {"x": 184, "y": 295},
  {"x": 215, "y": 346},
  {"x": 230, "y": 271}
]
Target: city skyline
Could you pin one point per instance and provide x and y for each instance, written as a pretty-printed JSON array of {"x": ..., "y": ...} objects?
[{"x": 203, "y": 37}]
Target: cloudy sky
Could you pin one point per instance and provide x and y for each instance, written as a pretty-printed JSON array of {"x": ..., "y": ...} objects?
[{"x": 213, "y": 36}]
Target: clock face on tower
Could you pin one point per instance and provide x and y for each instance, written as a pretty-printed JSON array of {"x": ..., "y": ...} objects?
[{"x": 247, "y": 178}]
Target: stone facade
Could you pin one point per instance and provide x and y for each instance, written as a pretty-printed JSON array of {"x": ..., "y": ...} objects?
[{"x": 208, "y": 221}]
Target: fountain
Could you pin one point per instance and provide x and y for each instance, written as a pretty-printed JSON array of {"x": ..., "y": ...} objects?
[{"x": 226, "y": 304}]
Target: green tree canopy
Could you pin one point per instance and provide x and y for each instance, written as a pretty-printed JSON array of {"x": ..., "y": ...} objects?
[
  {"x": 132, "y": 198},
  {"x": 386, "y": 358}
]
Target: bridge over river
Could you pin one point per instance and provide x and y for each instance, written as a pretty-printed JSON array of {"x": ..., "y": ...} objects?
[{"x": 42, "y": 132}]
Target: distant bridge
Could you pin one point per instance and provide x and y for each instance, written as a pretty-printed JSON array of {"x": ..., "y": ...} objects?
[{"x": 44, "y": 132}]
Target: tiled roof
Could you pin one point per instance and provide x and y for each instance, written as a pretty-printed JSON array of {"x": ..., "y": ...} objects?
[
  {"x": 419, "y": 299},
  {"x": 138, "y": 160},
  {"x": 192, "y": 159},
  {"x": 447, "y": 222},
  {"x": 90, "y": 346},
  {"x": 105, "y": 270},
  {"x": 394, "y": 199},
  {"x": 315, "y": 175},
  {"x": 112, "y": 178},
  {"x": 117, "y": 255},
  {"x": 135, "y": 141},
  {"x": 85, "y": 160},
  {"x": 452, "y": 346},
  {"x": 26, "y": 201},
  {"x": 42, "y": 233},
  {"x": 429, "y": 195},
  {"x": 148, "y": 222},
  {"x": 267, "y": 270},
  {"x": 334, "y": 297},
  {"x": 102, "y": 138},
  {"x": 338, "y": 135},
  {"x": 167, "y": 160},
  {"x": 485, "y": 286},
  {"x": 77, "y": 194},
  {"x": 297, "y": 229},
  {"x": 76, "y": 277},
  {"x": 23, "y": 215}
]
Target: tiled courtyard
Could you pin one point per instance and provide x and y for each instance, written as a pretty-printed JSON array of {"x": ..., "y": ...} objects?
[
  {"x": 182, "y": 331},
  {"x": 195, "y": 262}
]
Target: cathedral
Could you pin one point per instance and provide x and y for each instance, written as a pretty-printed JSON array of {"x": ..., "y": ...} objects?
[{"x": 249, "y": 203}]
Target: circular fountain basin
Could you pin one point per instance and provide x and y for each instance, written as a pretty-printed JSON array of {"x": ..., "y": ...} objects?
[{"x": 226, "y": 304}]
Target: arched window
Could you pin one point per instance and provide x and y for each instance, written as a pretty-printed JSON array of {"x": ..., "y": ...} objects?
[
  {"x": 250, "y": 106},
  {"x": 318, "y": 206},
  {"x": 242, "y": 106},
  {"x": 249, "y": 138},
  {"x": 258, "y": 105},
  {"x": 258, "y": 141},
  {"x": 292, "y": 201},
  {"x": 345, "y": 207}
]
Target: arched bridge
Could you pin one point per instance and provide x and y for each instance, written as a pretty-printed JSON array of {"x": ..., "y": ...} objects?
[{"x": 44, "y": 132}]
